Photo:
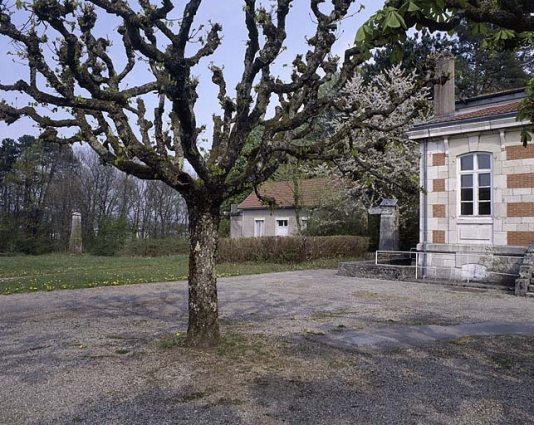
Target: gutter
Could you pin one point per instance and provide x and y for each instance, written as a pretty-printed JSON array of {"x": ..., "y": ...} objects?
[{"x": 441, "y": 129}]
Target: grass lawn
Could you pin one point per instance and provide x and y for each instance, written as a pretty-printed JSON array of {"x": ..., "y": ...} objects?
[{"x": 62, "y": 271}]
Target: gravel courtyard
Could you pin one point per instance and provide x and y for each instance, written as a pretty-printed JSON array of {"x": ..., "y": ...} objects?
[{"x": 112, "y": 356}]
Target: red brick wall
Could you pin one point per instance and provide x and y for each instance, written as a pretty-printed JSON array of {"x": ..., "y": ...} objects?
[
  {"x": 438, "y": 236},
  {"x": 520, "y": 209},
  {"x": 520, "y": 238},
  {"x": 438, "y": 210},
  {"x": 515, "y": 181},
  {"x": 520, "y": 152},
  {"x": 438, "y": 159},
  {"x": 438, "y": 185}
]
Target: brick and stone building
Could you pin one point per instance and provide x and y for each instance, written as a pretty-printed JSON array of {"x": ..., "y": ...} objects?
[{"x": 477, "y": 202}]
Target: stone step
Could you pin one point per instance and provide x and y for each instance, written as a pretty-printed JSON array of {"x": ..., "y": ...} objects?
[{"x": 530, "y": 294}]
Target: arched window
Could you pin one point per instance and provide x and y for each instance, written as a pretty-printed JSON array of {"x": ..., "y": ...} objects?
[{"x": 475, "y": 184}]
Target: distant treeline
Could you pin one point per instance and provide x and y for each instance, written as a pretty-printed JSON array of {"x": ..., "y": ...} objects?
[{"x": 41, "y": 185}]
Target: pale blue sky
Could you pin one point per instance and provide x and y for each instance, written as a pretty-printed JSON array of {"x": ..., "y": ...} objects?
[{"x": 230, "y": 53}]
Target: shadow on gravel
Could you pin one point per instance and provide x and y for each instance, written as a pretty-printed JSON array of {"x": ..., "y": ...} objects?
[
  {"x": 472, "y": 380},
  {"x": 157, "y": 406},
  {"x": 163, "y": 305},
  {"x": 482, "y": 380},
  {"x": 263, "y": 374}
]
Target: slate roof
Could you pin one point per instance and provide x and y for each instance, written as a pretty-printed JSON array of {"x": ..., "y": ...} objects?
[
  {"x": 481, "y": 113},
  {"x": 283, "y": 192},
  {"x": 486, "y": 107}
]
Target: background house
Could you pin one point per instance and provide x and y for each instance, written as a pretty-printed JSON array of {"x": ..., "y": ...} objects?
[
  {"x": 477, "y": 206},
  {"x": 252, "y": 218}
]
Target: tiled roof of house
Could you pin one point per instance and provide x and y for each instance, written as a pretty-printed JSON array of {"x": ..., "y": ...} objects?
[
  {"x": 283, "y": 192},
  {"x": 481, "y": 113}
]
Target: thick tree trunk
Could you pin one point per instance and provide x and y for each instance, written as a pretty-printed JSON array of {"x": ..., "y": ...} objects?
[{"x": 203, "y": 329}]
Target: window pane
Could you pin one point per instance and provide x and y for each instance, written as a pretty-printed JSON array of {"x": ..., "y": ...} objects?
[
  {"x": 484, "y": 179},
  {"x": 467, "y": 208},
  {"x": 467, "y": 194},
  {"x": 258, "y": 231},
  {"x": 484, "y": 208},
  {"x": 484, "y": 161},
  {"x": 467, "y": 180},
  {"x": 466, "y": 162},
  {"x": 484, "y": 194}
]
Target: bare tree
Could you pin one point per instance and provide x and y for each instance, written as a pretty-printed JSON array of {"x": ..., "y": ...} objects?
[
  {"x": 92, "y": 80},
  {"x": 30, "y": 214},
  {"x": 156, "y": 211}
]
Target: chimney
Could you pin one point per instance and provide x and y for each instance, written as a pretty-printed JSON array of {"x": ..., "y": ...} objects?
[{"x": 444, "y": 96}]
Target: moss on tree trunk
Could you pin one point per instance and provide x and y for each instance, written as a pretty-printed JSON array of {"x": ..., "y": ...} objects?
[{"x": 203, "y": 328}]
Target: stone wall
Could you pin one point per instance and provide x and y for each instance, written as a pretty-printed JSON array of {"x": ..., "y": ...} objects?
[
  {"x": 368, "y": 269},
  {"x": 467, "y": 263}
]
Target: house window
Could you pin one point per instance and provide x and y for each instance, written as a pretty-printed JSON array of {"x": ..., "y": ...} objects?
[
  {"x": 282, "y": 227},
  {"x": 259, "y": 227},
  {"x": 475, "y": 184}
]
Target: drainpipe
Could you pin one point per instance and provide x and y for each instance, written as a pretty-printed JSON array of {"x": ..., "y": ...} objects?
[{"x": 425, "y": 204}]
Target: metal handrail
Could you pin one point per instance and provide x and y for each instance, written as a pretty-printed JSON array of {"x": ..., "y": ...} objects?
[{"x": 417, "y": 255}]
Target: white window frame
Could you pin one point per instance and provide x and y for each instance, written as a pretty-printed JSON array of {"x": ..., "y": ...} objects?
[
  {"x": 475, "y": 172},
  {"x": 256, "y": 220},
  {"x": 277, "y": 226}
]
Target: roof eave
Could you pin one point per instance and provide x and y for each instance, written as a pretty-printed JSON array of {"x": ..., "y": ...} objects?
[{"x": 495, "y": 122}]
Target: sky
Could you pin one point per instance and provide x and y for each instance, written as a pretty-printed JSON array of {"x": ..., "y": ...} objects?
[{"x": 229, "y": 55}]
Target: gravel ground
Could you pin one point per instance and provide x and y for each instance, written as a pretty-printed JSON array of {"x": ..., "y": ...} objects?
[{"x": 110, "y": 356}]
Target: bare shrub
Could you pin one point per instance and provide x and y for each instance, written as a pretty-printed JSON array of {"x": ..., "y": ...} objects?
[{"x": 292, "y": 249}]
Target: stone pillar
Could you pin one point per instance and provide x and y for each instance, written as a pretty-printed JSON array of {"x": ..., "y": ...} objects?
[
  {"x": 389, "y": 224},
  {"x": 75, "y": 242},
  {"x": 236, "y": 221}
]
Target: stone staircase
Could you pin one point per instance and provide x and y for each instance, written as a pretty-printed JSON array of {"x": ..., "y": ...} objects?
[{"x": 524, "y": 284}]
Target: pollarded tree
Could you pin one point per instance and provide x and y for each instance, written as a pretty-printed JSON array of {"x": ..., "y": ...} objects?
[{"x": 106, "y": 99}]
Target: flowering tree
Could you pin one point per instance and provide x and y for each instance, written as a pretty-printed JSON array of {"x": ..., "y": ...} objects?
[
  {"x": 383, "y": 162},
  {"x": 382, "y": 157},
  {"x": 104, "y": 100}
]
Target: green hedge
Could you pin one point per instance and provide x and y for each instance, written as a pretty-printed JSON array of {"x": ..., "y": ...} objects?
[{"x": 292, "y": 249}]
